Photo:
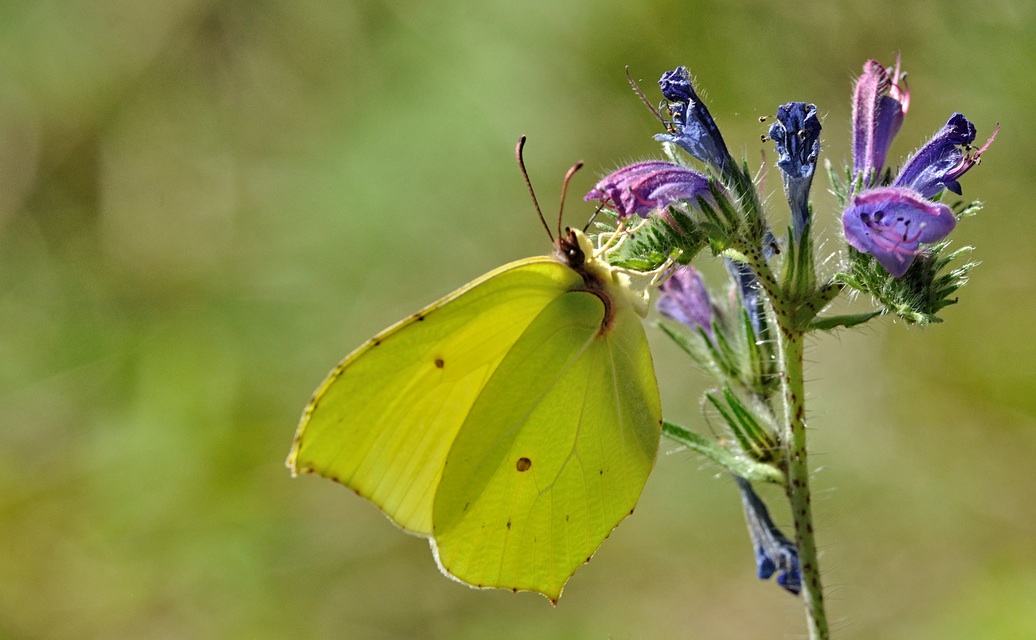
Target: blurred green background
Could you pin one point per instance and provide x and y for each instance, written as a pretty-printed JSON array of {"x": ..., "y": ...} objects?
[{"x": 204, "y": 205}]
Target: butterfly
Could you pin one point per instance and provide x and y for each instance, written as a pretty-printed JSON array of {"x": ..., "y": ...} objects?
[{"x": 513, "y": 422}]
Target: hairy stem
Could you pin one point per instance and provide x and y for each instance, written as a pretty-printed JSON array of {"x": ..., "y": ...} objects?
[
  {"x": 790, "y": 344},
  {"x": 790, "y": 339}
]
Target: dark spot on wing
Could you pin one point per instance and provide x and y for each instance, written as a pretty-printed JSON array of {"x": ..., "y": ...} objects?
[{"x": 523, "y": 464}]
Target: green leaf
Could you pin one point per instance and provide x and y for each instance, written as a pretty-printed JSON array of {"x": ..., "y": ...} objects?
[{"x": 849, "y": 320}]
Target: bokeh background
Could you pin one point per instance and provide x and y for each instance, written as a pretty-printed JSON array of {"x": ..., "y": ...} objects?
[{"x": 205, "y": 204}]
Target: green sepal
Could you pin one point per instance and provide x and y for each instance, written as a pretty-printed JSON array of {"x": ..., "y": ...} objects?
[
  {"x": 760, "y": 363},
  {"x": 682, "y": 235},
  {"x": 842, "y": 185},
  {"x": 748, "y": 424},
  {"x": 716, "y": 361},
  {"x": 799, "y": 273},
  {"x": 924, "y": 290},
  {"x": 733, "y": 462}
]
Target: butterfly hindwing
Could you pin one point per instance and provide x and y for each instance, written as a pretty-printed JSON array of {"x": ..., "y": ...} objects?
[{"x": 554, "y": 453}]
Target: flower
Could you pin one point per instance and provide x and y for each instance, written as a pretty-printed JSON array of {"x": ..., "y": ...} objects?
[
  {"x": 890, "y": 222},
  {"x": 749, "y": 287},
  {"x": 685, "y": 299},
  {"x": 943, "y": 159},
  {"x": 693, "y": 128},
  {"x": 645, "y": 187},
  {"x": 774, "y": 553},
  {"x": 796, "y": 134},
  {"x": 879, "y": 104}
]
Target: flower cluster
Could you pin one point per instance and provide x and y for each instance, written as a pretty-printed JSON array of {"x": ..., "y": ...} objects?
[
  {"x": 651, "y": 187},
  {"x": 699, "y": 197},
  {"x": 890, "y": 218}
]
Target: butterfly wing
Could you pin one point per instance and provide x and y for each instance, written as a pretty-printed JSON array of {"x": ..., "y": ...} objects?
[
  {"x": 554, "y": 452},
  {"x": 384, "y": 420}
]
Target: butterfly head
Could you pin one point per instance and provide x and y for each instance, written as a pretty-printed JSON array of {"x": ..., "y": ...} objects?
[{"x": 620, "y": 286}]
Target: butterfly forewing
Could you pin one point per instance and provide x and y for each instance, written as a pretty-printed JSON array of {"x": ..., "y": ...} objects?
[{"x": 384, "y": 420}]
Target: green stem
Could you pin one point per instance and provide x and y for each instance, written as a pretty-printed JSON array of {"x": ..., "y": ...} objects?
[
  {"x": 790, "y": 339},
  {"x": 790, "y": 344}
]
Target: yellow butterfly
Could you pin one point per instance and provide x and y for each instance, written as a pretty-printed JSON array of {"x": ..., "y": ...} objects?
[{"x": 514, "y": 422}]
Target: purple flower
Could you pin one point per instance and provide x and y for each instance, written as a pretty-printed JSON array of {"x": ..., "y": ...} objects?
[
  {"x": 796, "y": 133},
  {"x": 890, "y": 222},
  {"x": 686, "y": 300},
  {"x": 693, "y": 128},
  {"x": 879, "y": 104},
  {"x": 943, "y": 159},
  {"x": 774, "y": 553},
  {"x": 645, "y": 187}
]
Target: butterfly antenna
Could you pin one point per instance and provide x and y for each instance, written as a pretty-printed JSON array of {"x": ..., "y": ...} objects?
[
  {"x": 564, "y": 190},
  {"x": 528, "y": 183}
]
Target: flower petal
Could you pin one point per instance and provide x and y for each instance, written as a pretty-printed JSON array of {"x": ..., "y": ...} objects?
[
  {"x": 879, "y": 104},
  {"x": 644, "y": 187}
]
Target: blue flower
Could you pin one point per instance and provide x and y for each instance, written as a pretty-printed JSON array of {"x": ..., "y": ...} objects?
[
  {"x": 645, "y": 187},
  {"x": 685, "y": 299},
  {"x": 796, "y": 133},
  {"x": 693, "y": 128},
  {"x": 749, "y": 289},
  {"x": 774, "y": 553},
  {"x": 943, "y": 159}
]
